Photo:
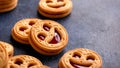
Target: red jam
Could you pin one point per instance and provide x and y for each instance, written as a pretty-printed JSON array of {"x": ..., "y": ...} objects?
[
  {"x": 41, "y": 37},
  {"x": 46, "y": 28},
  {"x": 56, "y": 39}
]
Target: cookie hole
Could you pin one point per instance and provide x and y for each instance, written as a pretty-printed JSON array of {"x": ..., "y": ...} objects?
[
  {"x": 56, "y": 39},
  {"x": 10, "y": 55},
  {"x": 74, "y": 65},
  {"x": 59, "y": 0},
  {"x": 18, "y": 61},
  {"x": 23, "y": 28},
  {"x": 90, "y": 58},
  {"x": 31, "y": 64},
  {"x": 47, "y": 28},
  {"x": 41, "y": 37},
  {"x": 31, "y": 23},
  {"x": 77, "y": 56},
  {"x": 48, "y": 1}
]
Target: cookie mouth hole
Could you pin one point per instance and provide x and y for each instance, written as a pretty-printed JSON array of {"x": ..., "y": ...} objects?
[
  {"x": 47, "y": 28},
  {"x": 90, "y": 58},
  {"x": 31, "y": 64},
  {"x": 31, "y": 23},
  {"x": 78, "y": 65},
  {"x": 41, "y": 37},
  {"x": 23, "y": 28},
  {"x": 48, "y": 1},
  {"x": 59, "y": 0},
  {"x": 18, "y": 61},
  {"x": 56, "y": 39}
]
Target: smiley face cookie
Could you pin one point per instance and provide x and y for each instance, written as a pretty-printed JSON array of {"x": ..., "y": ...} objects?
[
  {"x": 3, "y": 56},
  {"x": 22, "y": 28},
  {"x": 80, "y": 58},
  {"x": 48, "y": 37},
  {"x": 9, "y": 48},
  {"x": 7, "y": 5},
  {"x": 25, "y": 61},
  {"x": 55, "y": 8}
]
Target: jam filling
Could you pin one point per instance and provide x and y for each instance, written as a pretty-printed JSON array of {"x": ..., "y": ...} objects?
[
  {"x": 41, "y": 37},
  {"x": 46, "y": 28},
  {"x": 56, "y": 39}
]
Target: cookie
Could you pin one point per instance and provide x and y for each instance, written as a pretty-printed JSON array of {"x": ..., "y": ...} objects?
[
  {"x": 22, "y": 28},
  {"x": 9, "y": 48},
  {"x": 48, "y": 37},
  {"x": 7, "y": 5},
  {"x": 55, "y": 8},
  {"x": 80, "y": 58},
  {"x": 3, "y": 56},
  {"x": 25, "y": 61}
]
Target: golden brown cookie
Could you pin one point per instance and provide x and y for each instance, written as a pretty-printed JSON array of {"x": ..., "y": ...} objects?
[
  {"x": 22, "y": 28},
  {"x": 25, "y": 61},
  {"x": 3, "y": 56},
  {"x": 80, "y": 58},
  {"x": 48, "y": 37},
  {"x": 7, "y": 5},
  {"x": 55, "y": 8},
  {"x": 9, "y": 48}
]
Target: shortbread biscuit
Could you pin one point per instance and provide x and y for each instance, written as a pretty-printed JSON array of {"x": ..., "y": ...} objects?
[
  {"x": 3, "y": 56},
  {"x": 48, "y": 37},
  {"x": 55, "y": 8},
  {"x": 22, "y": 28},
  {"x": 9, "y": 48},
  {"x": 80, "y": 58},
  {"x": 7, "y": 5},
  {"x": 25, "y": 61}
]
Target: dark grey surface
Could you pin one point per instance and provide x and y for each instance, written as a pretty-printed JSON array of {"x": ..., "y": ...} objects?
[{"x": 93, "y": 24}]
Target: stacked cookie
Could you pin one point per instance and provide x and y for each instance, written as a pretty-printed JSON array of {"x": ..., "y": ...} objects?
[
  {"x": 7, "y": 5},
  {"x": 6, "y": 52},
  {"x": 7, "y": 60},
  {"x": 55, "y": 8},
  {"x": 46, "y": 36}
]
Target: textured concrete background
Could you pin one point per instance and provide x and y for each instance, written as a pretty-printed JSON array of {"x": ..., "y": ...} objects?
[{"x": 93, "y": 24}]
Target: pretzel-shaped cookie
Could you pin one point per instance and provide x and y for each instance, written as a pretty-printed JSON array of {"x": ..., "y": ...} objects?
[
  {"x": 22, "y": 28},
  {"x": 48, "y": 37},
  {"x": 80, "y": 58},
  {"x": 3, "y": 56},
  {"x": 25, "y": 61},
  {"x": 55, "y": 8}
]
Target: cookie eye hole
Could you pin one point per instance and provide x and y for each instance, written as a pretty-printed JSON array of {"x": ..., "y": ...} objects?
[
  {"x": 48, "y": 1},
  {"x": 18, "y": 61},
  {"x": 76, "y": 56},
  {"x": 31, "y": 23},
  {"x": 56, "y": 39},
  {"x": 41, "y": 37},
  {"x": 31, "y": 64},
  {"x": 59, "y": 0},
  {"x": 47, "y": 28},
  {"x": 23, "y": 28},
  {"x": 90, "y": 58}
]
